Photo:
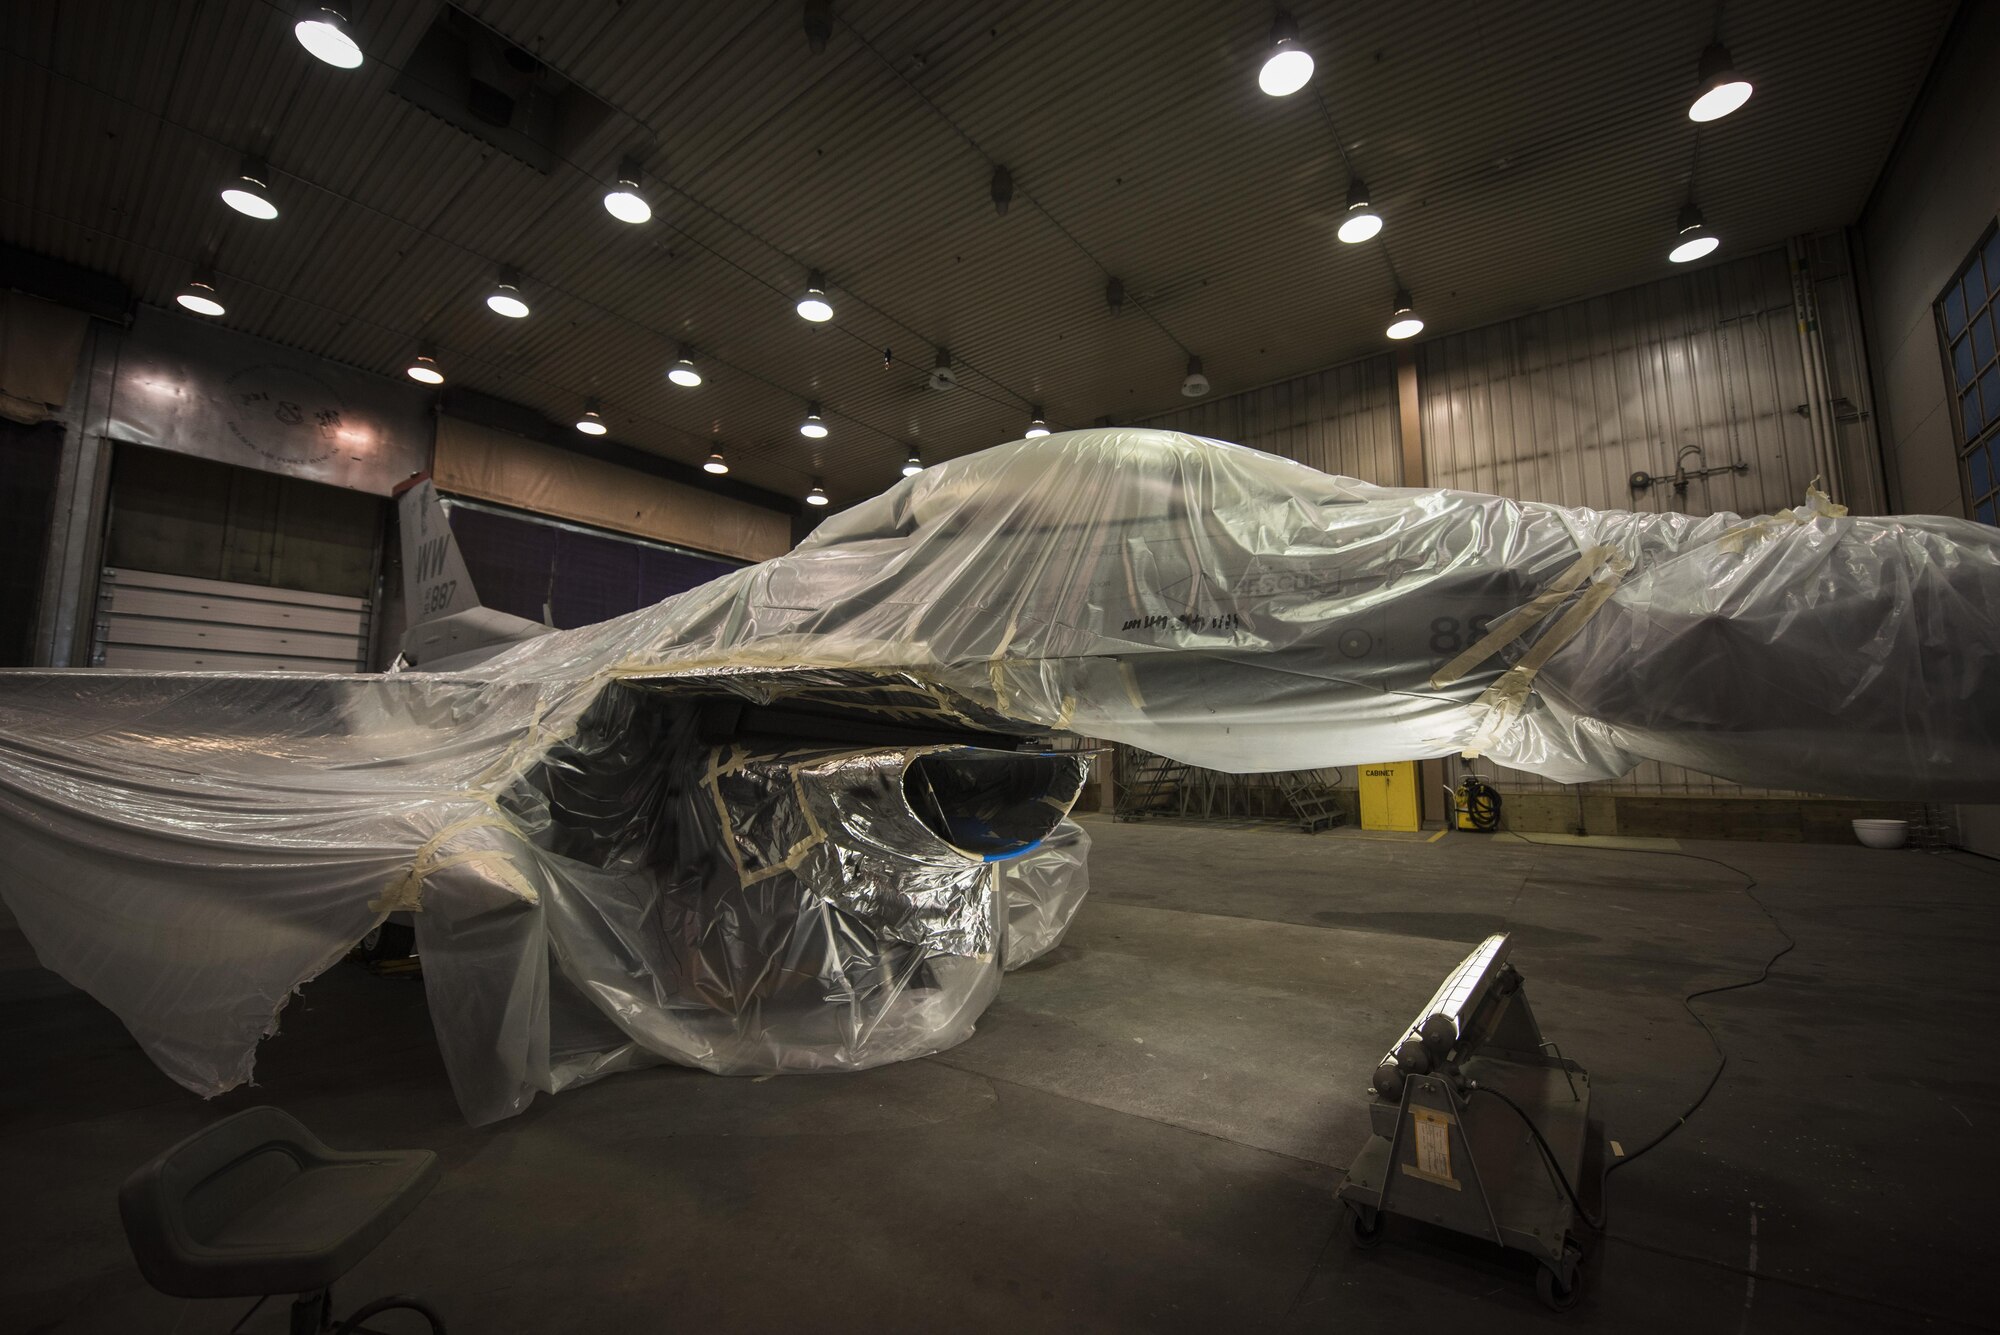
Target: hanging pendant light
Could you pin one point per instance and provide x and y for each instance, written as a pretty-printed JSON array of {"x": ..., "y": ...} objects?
[
  {"x": 817, "y": 496},
  {"x": 1719, "y": 88},
  {"x": 623, "y": 200},
  {"x": 1692, "y": 239},
  {"x": 1361, "y": 221},
  {"x": 249, "y": 192},
  {"x": 683, "y": 371},
  {"x": 814, "y": 426},
  {"x": 505, "y": 298},
  {"x": 716, "y": 464},
  {"x": 592, "y": 421},
  {"x": 1196, "y": 384},
  {"x": 813, "y": 305},
  {"x": 1404, "y": 322},
  {"x": 322, "y": 30},
  {"x": 1288, "y": 67},
  {"x": 423, "y": 367},
  {"x": 1036, "y": 426},
  {"x": 200, "y": 295},
  {"x": 912, "y": 466}
]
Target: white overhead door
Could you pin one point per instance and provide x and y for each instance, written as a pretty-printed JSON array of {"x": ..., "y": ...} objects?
[{"x": 176, "y": 622}]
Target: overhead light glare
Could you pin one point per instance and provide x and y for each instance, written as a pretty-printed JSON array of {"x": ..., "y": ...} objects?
[
  {"x": 423, "y": 367},
  {"x": 322, "y": 30},
  {"x": 716, "y": 464},
  {"x": 592, "y": 421},
  {"x": 817, "y": 496},
  {"x": 1404, "y": 322},
  {"x": 199, "y": 295},
  {"x": 1196, "y": 384},
  {"x": 250, "y": 192},
  {"x": 623, "y": 201},
  {"x": 1036, "y": 426},
  {"x": 505, "y": 298},
  {"x": 814, "y": 426},
  {"x": 1720, "y": 89},
  {"x": 813, "y": 305},
  {"x": 683, "y": 371},
  {"x": 1361, "y": 222},
  {"x": 1289, "y": 66},
  {"x": 1692, "y": 239},
  {"x": 912, "y": 466}
]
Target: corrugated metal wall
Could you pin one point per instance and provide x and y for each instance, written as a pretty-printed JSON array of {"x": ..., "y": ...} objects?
[{"x": 1341, "y": 420}]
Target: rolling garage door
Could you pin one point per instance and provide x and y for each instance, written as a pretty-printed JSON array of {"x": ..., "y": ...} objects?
[{"x": 174, "y": 622}]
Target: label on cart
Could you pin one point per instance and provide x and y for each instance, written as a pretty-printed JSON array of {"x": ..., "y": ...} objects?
[{"x": 1432, "y": 1137}]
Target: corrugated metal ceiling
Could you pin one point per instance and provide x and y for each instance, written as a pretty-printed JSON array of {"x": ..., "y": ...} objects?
[{"x": 1522, "y": 154}]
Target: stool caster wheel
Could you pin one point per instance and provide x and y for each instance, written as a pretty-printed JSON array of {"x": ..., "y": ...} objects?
[
  {"x": 1559, "y": 1286},
  {"x": 1365, "y": 1227}
]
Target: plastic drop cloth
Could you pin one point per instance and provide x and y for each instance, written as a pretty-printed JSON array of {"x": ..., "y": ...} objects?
[{"x": 192, "y": 848}]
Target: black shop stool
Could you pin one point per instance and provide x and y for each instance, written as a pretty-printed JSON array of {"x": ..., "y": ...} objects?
[{"x": 255, "y": 1205}]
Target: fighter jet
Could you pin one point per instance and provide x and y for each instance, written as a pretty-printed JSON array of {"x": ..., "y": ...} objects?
[{"x": 770, "y": 824}]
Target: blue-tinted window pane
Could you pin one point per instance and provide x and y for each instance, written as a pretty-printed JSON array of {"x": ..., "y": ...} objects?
[
  {"x": 1982, "y": 338},
  {"x": 1993, "y": 263},
  {"x": 1980, "y": 471},
  {"x": 1985, "y": 513},
  {"x": 1968, "y": 411},
  {"x": 1961, "y": 360},
  {"x": 1954, "y": 312},
  {"x": 1989, "y": 389},
  {"x": 1975, "y": 289}
]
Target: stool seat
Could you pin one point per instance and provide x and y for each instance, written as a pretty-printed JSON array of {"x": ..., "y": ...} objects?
[{"x": 255, "y": 1204}]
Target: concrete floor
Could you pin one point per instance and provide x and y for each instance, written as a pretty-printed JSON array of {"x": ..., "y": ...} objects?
[{"x": 1146, "y": 1132}]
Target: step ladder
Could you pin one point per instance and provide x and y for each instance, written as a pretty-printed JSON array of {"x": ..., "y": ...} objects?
[
  {"x": 1313, "y": 800},
  {"x": 1148, "y": 785}
]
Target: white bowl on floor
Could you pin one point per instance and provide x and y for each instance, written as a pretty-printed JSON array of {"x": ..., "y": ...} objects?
[{"x": 1882, "y": 833}]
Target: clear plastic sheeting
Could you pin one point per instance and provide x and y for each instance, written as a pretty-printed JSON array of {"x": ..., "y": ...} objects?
[
  {"x": 756, "y": 827},
  {"x": 1041, "y": 892}
]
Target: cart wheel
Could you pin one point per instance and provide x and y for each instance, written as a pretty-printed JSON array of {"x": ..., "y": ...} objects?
[
  {"x": 1560, "y": 1286},
  {"x": 1366, "y": 1225}
]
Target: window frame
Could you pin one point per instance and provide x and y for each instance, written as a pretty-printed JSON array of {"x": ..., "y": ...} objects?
[{"x": 1981, "y": 504}]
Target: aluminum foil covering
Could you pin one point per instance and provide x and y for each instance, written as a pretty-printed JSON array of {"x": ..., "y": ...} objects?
[{"x": 575, "y": 823}]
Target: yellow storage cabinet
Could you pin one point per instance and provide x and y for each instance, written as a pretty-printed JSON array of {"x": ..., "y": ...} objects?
[{"x": 1389, "y": 797}]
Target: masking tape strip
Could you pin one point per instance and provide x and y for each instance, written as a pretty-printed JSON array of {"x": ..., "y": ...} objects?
[
  {"x": 405, "y": 894},
  {"x": 1504, "y": 700},
  {"x": 1512, "y": 626}
]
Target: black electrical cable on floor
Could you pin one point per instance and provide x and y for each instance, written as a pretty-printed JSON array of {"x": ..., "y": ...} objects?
[{"x": 1687, "y": 1003}]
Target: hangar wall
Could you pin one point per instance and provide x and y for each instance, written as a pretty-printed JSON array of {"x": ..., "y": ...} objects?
[{"x": 1935, "y": 199}]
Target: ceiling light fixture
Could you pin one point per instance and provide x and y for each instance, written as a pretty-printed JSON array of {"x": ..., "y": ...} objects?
[
  {"x": 592, "y": 421},
  {"x": 1036, "y": 426},
  {"x": 423, "y": 367},
  {"x": 817, "y": 496},
  {"x": 683, "y": 371},
  {"x": 323, "y": 31},
  {"x": 505, "y": 298},
  {"x": 1404, "y": 322},
  {"x": 199, "y": 295},
  {"x": 249, "y": 193},
  {"x": 1362, "y": 221},
  {"x": 1720, "y": 89},
  {"x": 1114, "y": 296},
  {"x": 819, "y": 24},
  {"x": 813, "y": 426},
  {"x": 716, "y": 464},
  {"x": 813, "y": 305},
  {"x": 1196, "y": 383},
  {"x": 623, "y": 201},
  {"x": 912, "y": 466},
  {"x": 1289, "y": 66},
  {"x": 1692, "y": 239}
]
